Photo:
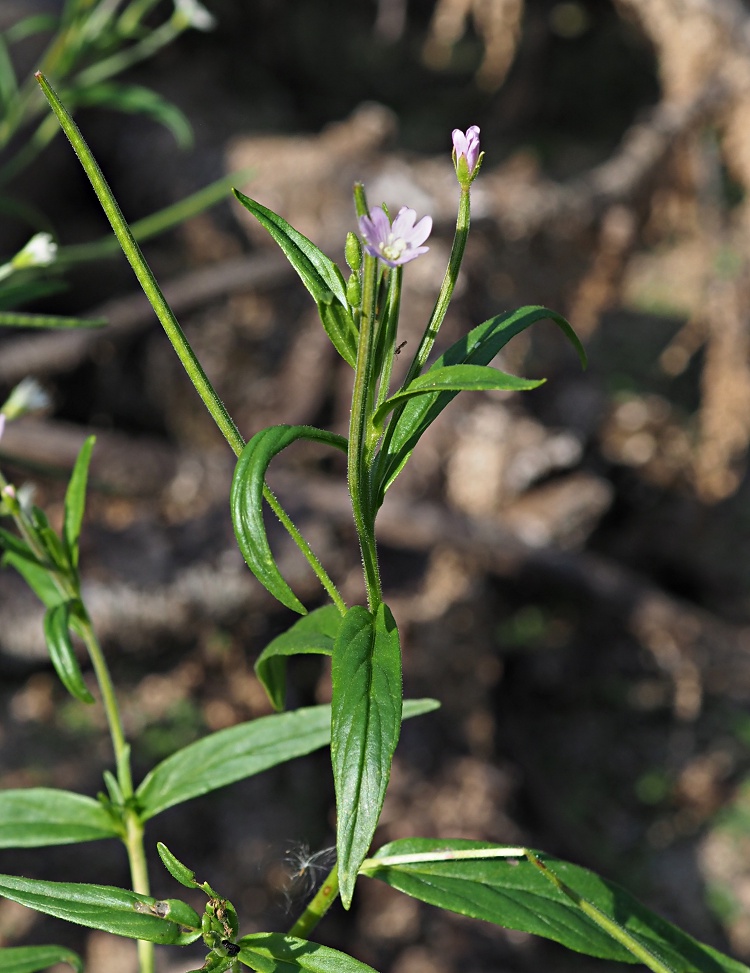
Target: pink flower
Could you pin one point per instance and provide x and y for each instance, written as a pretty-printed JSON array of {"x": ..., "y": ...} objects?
[
  {"x": 467, "y": 156},
  {"x": 395, "y": 244}
]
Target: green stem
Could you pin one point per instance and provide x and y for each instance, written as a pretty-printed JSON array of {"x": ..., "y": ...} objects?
[
  {"x": 143, "y": 272},
  {"x": 319, "y": 905},
  {"x": 118, "y": 62},
  {"x": 358, "y": 470},
  {"x": 446, "y": 288},
  {"x": 612, "y": 928}
]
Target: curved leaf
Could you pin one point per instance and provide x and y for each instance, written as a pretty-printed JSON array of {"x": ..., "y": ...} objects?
[
  {"x": 318, "y": 273},
  {"x": 62, "y": 653},
  {"x": 240, "y": 751},
  {"x": 456, "y": 378},
  {"x": 500, "y": 885},
  {"x": 312, "y": 634},
  {"x": 271, "y": 952},
  {"x": 31, "y": 959},
  {"x": 104, "y": 907},
  {"x": 365, "y": 725},
  {"x": 39, "y": 579},
  {"x": 478, "y": 347},
  {"x": 38, "y": 816},
  {"x": 133, "y": 99},
  {"x": 247, "y": 502},
  {"x": 75, "y": 500}
]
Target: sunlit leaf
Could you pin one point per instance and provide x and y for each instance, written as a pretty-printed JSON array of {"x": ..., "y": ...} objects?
[
  {"x": 318, "y": 273},
  {"x": 34, "y": 817},
  {"x": 107, "y": 908},
  {"x": 501, "y": 886},
  {"x": 478, "y": 347},
  {"x": 456, "y": 378},
  {"x": 312, "y": 634},
  {"x": 365, "y": 725},
  {"x": 269, "y": 952},
  {"x": 240, "y": 751},
  {"x": 247, "y": 502}
]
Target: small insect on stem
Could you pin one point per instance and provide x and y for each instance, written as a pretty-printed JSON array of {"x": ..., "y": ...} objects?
[
  {"x": 400, "y": 347},
  {"x": 231, "y": 948}
]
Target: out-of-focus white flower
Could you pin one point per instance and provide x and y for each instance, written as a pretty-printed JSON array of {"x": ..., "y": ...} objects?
[
  {"x": 191, "y": 13},
  {"x": 27, "y": 396},
  {"x": 40, "y": 251}
]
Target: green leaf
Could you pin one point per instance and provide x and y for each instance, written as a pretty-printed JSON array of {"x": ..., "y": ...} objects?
[
  {"x": 107, "y": 908},
  {"x": 31, "y": 959},
  {"x": 318, "y": 273},
  {"x": 270, "y": 952},
  {"x": 455, "y": 378},
  {"x": 40, "y": 580},
  {"x": 134, "y": 99},
  {"x": 365, "y": 725},
  {"x": 18, "y": 547},
  {"x": 478, "y": 347},
  {"x": 179, "y": 872},
  {"x": 501, "y": 886},
  {"x": 247, "y": 502},
  {"x": 38, "y": 816},
  {"x": 20, "y": 319},
  {"x": 75, "y": 501},
  {"x": 312, "y": 634},
  {"x": 35, "y": 24},
  {"x": 8, "y": 81},
  {"x": 14, "y": 292},
  {"x": 240, "y": 751},
  {"x": 62, "y": 653},
  {"x": 232, "y": 754}
]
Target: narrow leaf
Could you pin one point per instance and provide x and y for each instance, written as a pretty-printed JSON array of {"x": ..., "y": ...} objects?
[
  {"x": 456, "y": 378},
  {"x": 75, "y": 500},
  {"x": 18, "y": 547},
  {"x": 478, "y": 347},
  {"x": 179, "y": 872},
  {"x": 270, "y": 952},
  {"x": 62, "y": 653},
  {"x": 501, "y": 886},
  {"x": 312, "y": 634},
  {"x": 20, "y": 319},
  {"x": 318, "y": 273},
  {"x": 38, "y": 816},
  {"x": 247, "y": 502},
  {"x": 107, "y": 908},
  {"x": 133, "y": 99},
  {"x": 365, "y": 724},
  {"x": 40, "y": 580},
  {"x": 240, "y": 751},
  {"x": 32, "y": 959}
]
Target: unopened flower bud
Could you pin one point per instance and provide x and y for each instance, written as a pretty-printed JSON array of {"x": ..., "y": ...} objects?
[
  {"x": 353, "y": 251},
  {"x": 191, "y": 13},
  {"x": 27, "y": 396},
  {"x": 354, "y": 291},
  {"x": 40, "y": 251},
  {"x": 467, "y": 157}
]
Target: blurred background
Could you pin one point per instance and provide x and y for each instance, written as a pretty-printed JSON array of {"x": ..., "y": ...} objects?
[{"x": 568, "y": 566}]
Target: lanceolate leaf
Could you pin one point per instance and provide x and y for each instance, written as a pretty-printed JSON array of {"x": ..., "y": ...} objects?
[
  {"x": 270, "y": 952},
  {"x": 312, "y": 634},
  {"x": 478, "y": 347},
  {"x": 105, "y": 907},
  {"x": 247, "y": 502},
  {"x": 365, "y": 725},
  {"x": 509, "y": 890},
  {"x": 39, "y": 816},
  {"x": 455, "y": 378},
  {"x": 62, "y": 653},
  {"x": 19, "y": 547},
  {"x": 240, "y": 751},
  {"x": 32, "y": 959},
  {"x": 37, "y": 578},
  {"x": 75, "y": 500},
  {"x": 318, "y": 273},
  {"x": 133, "y": 99}
]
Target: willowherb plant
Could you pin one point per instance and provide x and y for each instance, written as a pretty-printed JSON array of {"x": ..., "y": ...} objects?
[{"x": 515, "y": 887}]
